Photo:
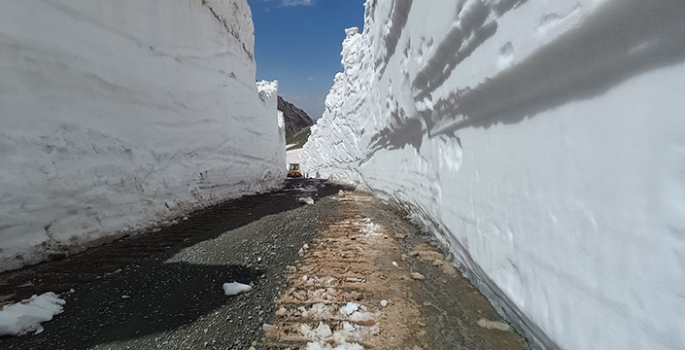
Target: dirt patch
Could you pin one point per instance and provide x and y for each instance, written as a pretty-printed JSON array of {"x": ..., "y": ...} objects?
[
  {"x": 346, "y": 289},
  {"x": 358, "y": 283}
]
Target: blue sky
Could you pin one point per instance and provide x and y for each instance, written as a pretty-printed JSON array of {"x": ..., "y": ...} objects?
[{"x": 298, "y": 43}]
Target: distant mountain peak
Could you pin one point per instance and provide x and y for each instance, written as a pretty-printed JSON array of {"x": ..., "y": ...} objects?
[{"x": 295, "y": 118}]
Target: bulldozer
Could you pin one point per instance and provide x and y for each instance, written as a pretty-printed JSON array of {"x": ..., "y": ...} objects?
[{"x": 294, "y": 170}]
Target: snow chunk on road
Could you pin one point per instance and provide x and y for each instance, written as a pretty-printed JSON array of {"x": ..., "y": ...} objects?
[
  {"x": 321, "y": 332},
  {"x": 326, "y": 346},
  {"x": 487, "y": 324},
  {"x": 307, "y": 200},
  {"x": 361, "y": 316},
  {"x": 371, "y": 229},
  {"x": 26, "y": 317},
  {"x": 349, "y": 308},
  {"x": 235, "y": 288}
]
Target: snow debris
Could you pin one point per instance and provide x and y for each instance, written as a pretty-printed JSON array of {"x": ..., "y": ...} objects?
[
  {"x": 449, "y": 269},
  {"x": 384, "y": 303},
  {"x": 394, "y": 263},
  {"x": 318, "y": 310},
  {"x": 305, "y": 246},
  {"x": 268, "y": 327},
  {"x": 359, "y": 331},
  {"x": 487, "y": 324},
  {"x": 235, "y": 288},
  {"x": 326, "y": 281},
  {"x": 354, "y": 279},
  {"x": 306, "y": 200},
  {"x": 322, "y": 332},
  {"x": 363, "y": 317},
  {"x": 26, "y": 317},
  {"x": 326, "y": 346},
  {"x": 417, "y": 276},
  {"x": 349, "y": 308},
  {"x": 371, "y": 229},
  {"x": 282, "y": 311},
  {"x": 125, "y": 297}
]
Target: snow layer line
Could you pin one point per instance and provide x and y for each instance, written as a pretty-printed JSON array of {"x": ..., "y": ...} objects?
[
  {"x": 115, "y": 116},
  {"x": 542, "y": 141}
]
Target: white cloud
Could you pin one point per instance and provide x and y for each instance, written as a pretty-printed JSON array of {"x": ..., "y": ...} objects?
[
  {"x": 311, "y": 78},
  {"x": 297, "y": 3}
]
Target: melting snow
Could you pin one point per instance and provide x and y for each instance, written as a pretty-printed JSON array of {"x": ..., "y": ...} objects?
[
  {"x": 306, "y": 200},
  {"x": 235, "y": 288},
  {"x": 321, "y": 332},
  {"x": 349, "y": 308},
  {"x": 326, "y": 346},
  {"x": 370, "y": 228},
  {"x": 26, "y": 317}
]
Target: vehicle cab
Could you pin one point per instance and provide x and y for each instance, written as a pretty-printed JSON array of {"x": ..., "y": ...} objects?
[{"x": 294, "y": 170}]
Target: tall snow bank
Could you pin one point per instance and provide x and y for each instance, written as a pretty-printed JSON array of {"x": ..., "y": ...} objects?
[
  {"x": 115, "y": 115},
  {"x": 543, "y": 140},
  {"x": 268, "y": 93}
]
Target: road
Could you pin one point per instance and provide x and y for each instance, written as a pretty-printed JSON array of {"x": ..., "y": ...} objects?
[
  {"x": 293, "y": 156},
  {"x": 163, "y": 290}
]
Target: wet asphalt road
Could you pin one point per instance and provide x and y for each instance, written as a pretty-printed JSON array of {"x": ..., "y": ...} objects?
[{"x": 163, "y": 290}]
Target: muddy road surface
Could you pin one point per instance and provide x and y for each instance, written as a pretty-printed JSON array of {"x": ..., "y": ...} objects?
[{"x": 348, "y": 272}]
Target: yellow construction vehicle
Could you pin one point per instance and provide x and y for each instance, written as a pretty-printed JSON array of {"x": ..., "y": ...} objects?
[{"x": 294, "y": 170}]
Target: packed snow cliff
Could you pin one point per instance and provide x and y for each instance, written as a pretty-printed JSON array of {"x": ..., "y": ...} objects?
[
  {"x": 118, "y": 115},
  {"x": 542, "y": 140}
]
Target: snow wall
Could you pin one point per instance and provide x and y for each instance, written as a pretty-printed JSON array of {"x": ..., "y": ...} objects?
[
  {"x": 119, "y": 115},
  {"x": 544, "y": 142}
]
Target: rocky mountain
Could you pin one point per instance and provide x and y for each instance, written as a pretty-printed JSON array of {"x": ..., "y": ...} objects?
[{"x": 295, "y": 118}]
